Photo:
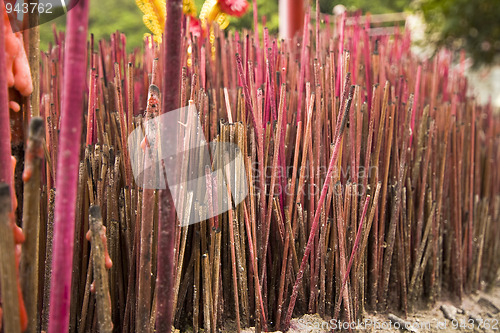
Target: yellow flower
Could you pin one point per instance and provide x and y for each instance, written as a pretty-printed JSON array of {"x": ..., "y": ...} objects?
[{"x": 155, "y": 13}]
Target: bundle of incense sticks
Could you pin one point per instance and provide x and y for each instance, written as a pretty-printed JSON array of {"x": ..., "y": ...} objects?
[{"x": 370, "y": 175}]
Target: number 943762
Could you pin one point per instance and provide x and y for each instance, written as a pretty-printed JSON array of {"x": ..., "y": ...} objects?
[
  {"x": 488, "y": 324},
  {"x": 24, "y": 7}
]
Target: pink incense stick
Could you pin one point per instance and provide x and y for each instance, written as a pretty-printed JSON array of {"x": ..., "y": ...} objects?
[
  {"x": 259, "y": 64},
  {"x": 5, "y": 153},
  {"x": 68, "y": 164},
  {"x": 166, "y": 225},
  {"x": 417, "y": 93},
  {"x": 303, "y": 59}
]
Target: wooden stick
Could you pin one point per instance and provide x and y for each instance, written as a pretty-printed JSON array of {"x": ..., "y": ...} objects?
[
  {"x": 395, "y": 208},
  {"x": 420, "y": 253},
  {"x": 166, "y": 229},
  {"x": 233, "y": 259},
  {"x": 100, "y": 258},
  {"x": 207, "y": 294},
  {"x": 28, "y": 267},
  {"x": 8, "y": 280},
  {"x": 34, "y": 58},
  {"x": 68, "y": 165},
  {"x": 315, "y": 224},
  {"x": 353, "y": 254}
]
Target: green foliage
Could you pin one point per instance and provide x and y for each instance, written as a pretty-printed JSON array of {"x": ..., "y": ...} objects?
[
  {"x": 464, "y": 24},
  {"x": 372, "y": 6},
  {"x": 267, "y": 8},
  {"x": 46, "y": 35},
  {"x": 105, "y": 18}
]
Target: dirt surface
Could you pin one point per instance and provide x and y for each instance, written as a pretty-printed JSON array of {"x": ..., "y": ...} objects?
[{"x": 478, "y": 312}]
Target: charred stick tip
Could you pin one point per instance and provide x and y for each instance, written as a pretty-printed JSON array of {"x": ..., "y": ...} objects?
[
  {"x": 95, "y": 212},
  {"x": 36, "y": 127},
  {"x": 4, "y": 191}
]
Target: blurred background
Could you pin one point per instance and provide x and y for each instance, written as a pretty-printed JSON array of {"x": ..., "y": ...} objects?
[
  {"x": 469, "y": 27},
  {"x": 107, "y": 16}
]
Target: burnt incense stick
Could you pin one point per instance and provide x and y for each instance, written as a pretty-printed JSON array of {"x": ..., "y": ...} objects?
[
  {"x": 420, "y": 253},
  {"x": 165, "y": 270},
  {"x": 314, "y": 226},
  {"x": 8, "y": 283},
  {"x": 395, "y": 210},
  {"x": 101, "y": 262},
  {"x": 28, "y": 267},
  {"x": 353, "y": 254},
  {"x": 233, "y": 261},
  {"x": 368, "y": 225},
  {"x": 274, "y": 167}
]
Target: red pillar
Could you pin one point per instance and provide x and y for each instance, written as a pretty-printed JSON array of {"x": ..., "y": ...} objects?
[{"x": 291, "y": 17}]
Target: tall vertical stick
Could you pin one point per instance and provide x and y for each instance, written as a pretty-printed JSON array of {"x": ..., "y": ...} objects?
[
  {"x": 5, "y": 153},
  {"x": 31, "y": 220},
  {"x": 166, "y": 225},
  {"x": 68, "y": 164},
  {"x": 386, "y": 269},
  {"x": 34, "y": 58},
  {"x": 103, "y": 302},
  {"x": 8, "y": 264}
]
